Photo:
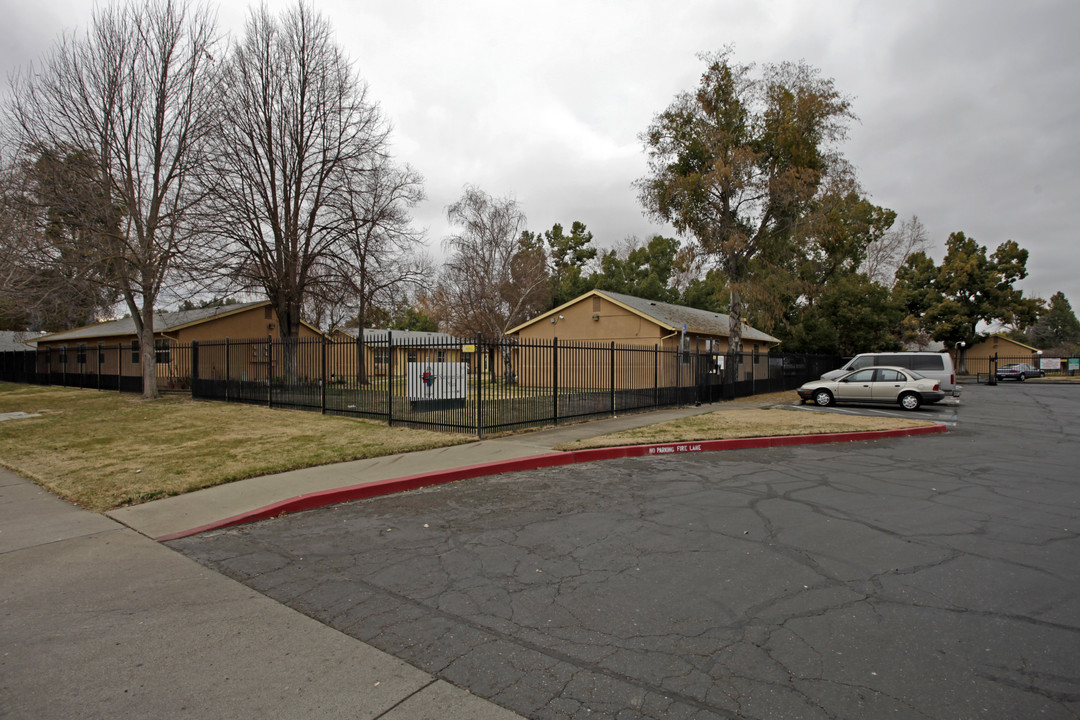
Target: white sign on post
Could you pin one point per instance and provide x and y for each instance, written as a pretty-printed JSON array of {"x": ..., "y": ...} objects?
[{"x": 437, "y": 381}]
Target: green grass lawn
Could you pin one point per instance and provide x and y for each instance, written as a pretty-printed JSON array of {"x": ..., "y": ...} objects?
[{"x": 103, "y": 450}]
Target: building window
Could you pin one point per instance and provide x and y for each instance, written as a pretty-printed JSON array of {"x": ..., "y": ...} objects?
[
  {"x": 163, "y": 351},
  {"x": 63, "y": 354},
  {"x": 382, "y": 356},
  {"x": 134, "y": 352},
  {"x": 101, "y": 353},
  {"x": 80, "y": 353},
  {"x": 268, "y": 313},
  {"x": 412, "y": 355},
  {"x": 440, "y": 356}
]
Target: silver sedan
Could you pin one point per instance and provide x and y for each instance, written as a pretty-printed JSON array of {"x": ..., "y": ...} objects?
[{"x": 904, "y": 387}]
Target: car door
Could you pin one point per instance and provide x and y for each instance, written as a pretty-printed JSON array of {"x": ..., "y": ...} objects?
[
  {"x": 856, "y": 387},
  {"x": 888, "y": 384}
]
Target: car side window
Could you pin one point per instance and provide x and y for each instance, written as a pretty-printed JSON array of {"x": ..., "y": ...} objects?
[
  {"x": 927, "y": 362},
  {"x": 862, "y": 361},
  {"x": 890, "y": 376},
  {"x": 862, "y": 376}
]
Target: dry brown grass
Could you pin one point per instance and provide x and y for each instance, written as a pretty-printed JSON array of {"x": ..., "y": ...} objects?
[
  {"x": 103, "y": 450},
  {"x": 744, "y": 423}
]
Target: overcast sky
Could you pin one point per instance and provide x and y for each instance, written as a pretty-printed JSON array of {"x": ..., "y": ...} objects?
[{"x": 968, "y": 111}]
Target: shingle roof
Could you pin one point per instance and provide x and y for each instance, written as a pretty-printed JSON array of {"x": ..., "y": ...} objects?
[
  {"x": 672, "y": 317},
  {"x": 163, "y": 322},
  {"x": 17, "y": 340},
  {"x": 700, "y": 322},
  {"x": 403, "y": 337}
]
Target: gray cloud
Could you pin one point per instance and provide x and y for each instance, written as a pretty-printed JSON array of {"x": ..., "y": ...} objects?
[{"x": 966, "y": 108}]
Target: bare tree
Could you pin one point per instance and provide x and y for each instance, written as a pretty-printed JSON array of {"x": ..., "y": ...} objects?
[
  {"x": 136, "y": 93},
  {"x": 381, "y": 252},
  {"x": 891, "y": 251},
  {"x": 494, "y": 278},
  {"x": 295, "y": 120}
]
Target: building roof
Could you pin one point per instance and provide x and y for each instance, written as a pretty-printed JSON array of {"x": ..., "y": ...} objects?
[
  {"x": 163, "y": 322},
  {"x": 669, "y": 316},
  {"x": 1010, "y": 340},
  {"x": 18, "y": 340},
  {"x": 403, "y": 337}
]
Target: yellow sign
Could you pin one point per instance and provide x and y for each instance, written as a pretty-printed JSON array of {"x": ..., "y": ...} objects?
[{"x": 468, "y": 348}]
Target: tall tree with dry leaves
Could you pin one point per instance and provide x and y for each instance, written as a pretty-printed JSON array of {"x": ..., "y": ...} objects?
[
  {"x": 296, "y": 121},
  {"x": 736, "y": 164},
  {"x": 135, "y": 92}
]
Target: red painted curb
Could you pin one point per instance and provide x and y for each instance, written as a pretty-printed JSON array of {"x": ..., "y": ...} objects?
[{"x": 310, "y": 501}]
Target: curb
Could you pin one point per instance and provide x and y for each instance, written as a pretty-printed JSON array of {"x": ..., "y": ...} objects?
[{"x": 311, "y": 501}]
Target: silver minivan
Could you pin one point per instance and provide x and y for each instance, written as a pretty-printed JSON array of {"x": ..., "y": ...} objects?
[{"x": 936, "y": 365}]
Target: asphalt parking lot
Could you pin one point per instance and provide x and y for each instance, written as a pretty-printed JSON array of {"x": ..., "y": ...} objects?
[{"x": 930, "y": 577}]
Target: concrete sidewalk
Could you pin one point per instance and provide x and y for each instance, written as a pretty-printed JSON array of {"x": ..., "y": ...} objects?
[{"x": 97, "y": 621}]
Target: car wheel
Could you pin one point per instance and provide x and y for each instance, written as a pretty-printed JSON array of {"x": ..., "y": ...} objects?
[
  {"x": 823, "y": 398},
  {"x": 910, "y": 401},
  {"x": 1021, "y": 377}
]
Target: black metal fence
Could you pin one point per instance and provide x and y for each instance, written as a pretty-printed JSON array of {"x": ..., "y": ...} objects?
[
  {"x": 477, "y": 386},
  {"x": 982, "y": 368}
]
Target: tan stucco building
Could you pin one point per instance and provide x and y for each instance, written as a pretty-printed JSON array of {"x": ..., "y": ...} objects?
[
  {"x": 112, "y": 348},
  {"x": 602, "y": 316},
  {"x": 665, "y": 335},
  {"x": 976, "y": 359}
]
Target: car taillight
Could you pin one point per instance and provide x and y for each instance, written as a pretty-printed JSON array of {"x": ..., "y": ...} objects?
[
  {"x": 937, "y": 386},
  {"x": 952, "y": 379}
]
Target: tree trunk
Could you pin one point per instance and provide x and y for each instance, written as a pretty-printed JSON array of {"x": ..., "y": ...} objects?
[
  {"x": 361, "y": 366},
  {"x": 148, "y": 353},
  {"x": 509, "y": 376},
  {"x": 736, "y": 313}
]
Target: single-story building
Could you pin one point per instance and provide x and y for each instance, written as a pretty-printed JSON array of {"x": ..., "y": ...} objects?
[
  {"x": 409, "y": 346},
  {"x": 603, "y": 318},
  {"x": 112, "y": 348},
  {"x": 976, "y": 358}
]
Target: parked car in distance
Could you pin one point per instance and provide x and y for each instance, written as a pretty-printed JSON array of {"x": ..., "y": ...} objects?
[
  {"x": 935, "y": 365},
  {"x": 1019, "y": 371},
  {"x": 904, "y": 387}
]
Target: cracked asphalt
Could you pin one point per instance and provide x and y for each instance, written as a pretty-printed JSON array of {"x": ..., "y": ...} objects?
[{"x": 933, "y": 577}]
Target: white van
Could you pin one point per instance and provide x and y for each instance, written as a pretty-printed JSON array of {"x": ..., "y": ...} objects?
[{"x": 936, "y": 365}]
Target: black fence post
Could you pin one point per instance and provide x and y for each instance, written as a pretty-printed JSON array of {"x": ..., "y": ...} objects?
[
  {"x": 322, "y": 382},
  {"x": 478, "y": 354},
  {"x": 389, "y": 377},
  {"x": 119, "y": 366},
  {"x": 678, "y": 374},
  {"x": 228, "y": 375},
  {"x": 194, "y": 365},
  {"x": 555, "y": 380},
  {"x": 656, "y": 374},
  {"x": 612, "y": 378},
  {"x": 270, "y": 371}
]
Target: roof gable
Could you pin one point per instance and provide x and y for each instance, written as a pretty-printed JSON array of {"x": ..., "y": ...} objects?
[
  {"x": 667, "y": 315},
  {"x": 999, "y": 336}
]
